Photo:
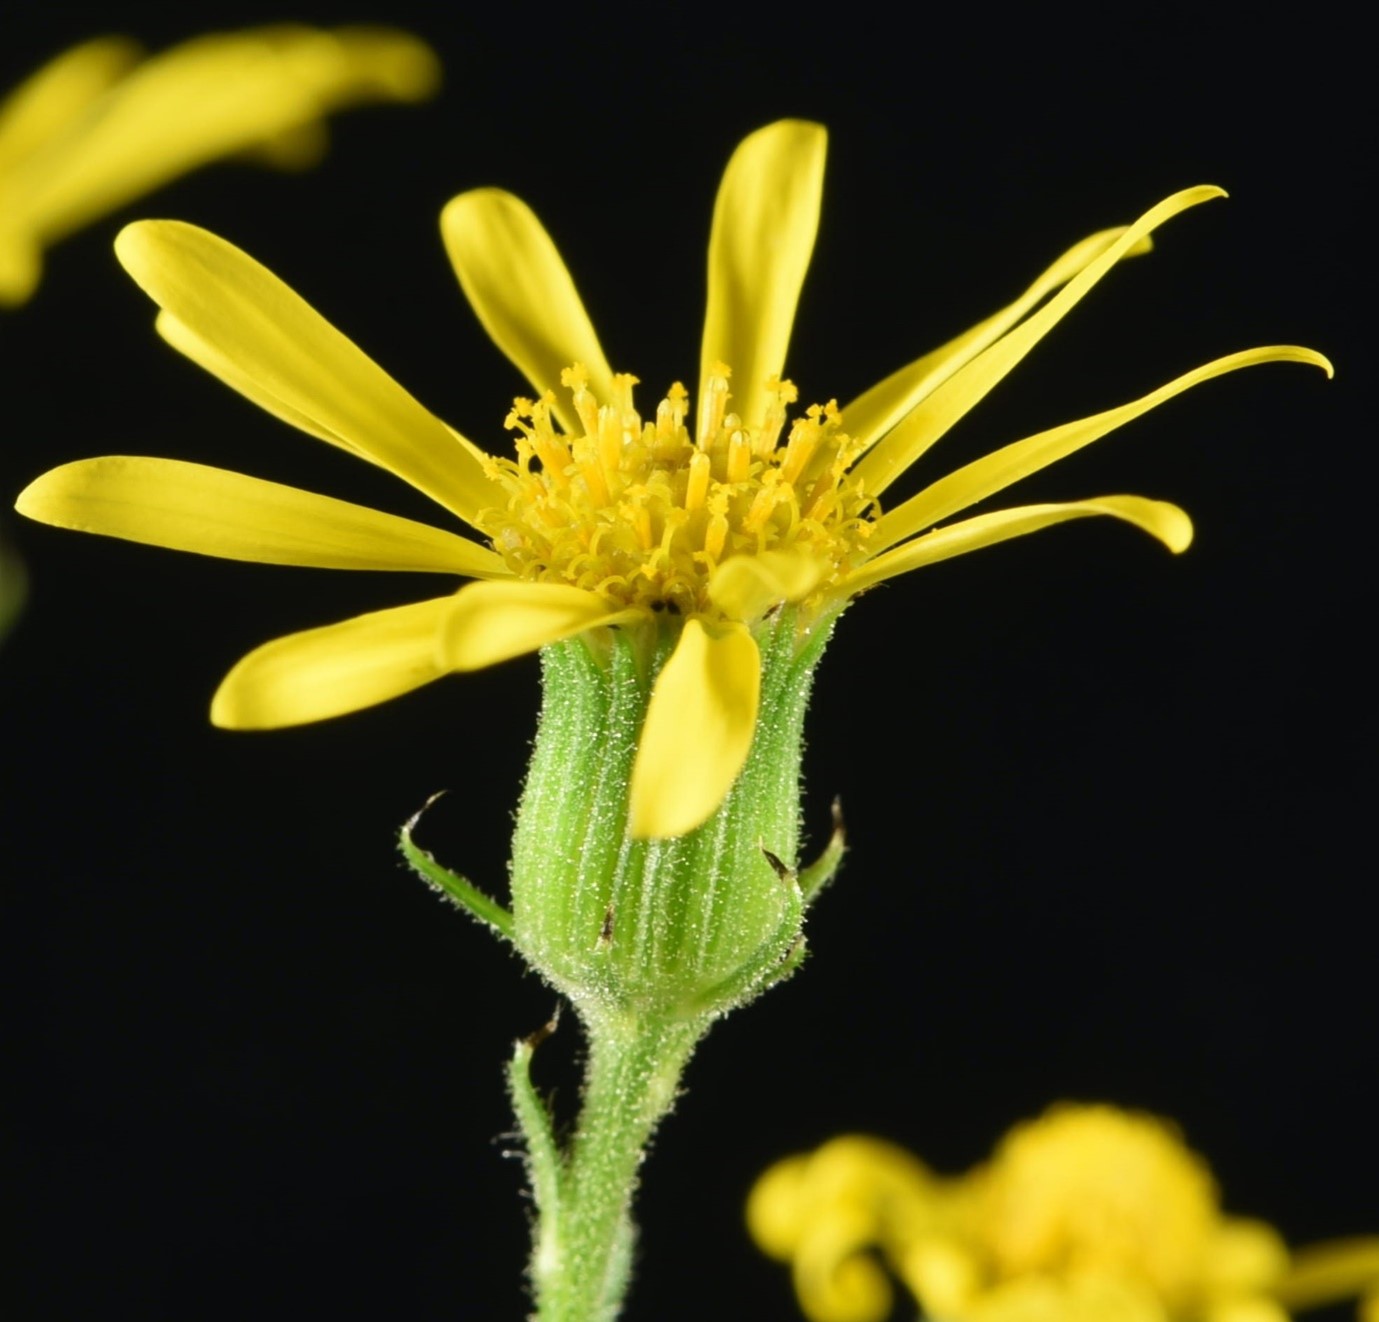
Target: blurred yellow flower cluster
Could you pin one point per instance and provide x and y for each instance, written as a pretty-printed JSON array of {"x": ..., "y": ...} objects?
[
  {"x": 101, "y": 124},
  {"x": 1087, "y": 1214}
]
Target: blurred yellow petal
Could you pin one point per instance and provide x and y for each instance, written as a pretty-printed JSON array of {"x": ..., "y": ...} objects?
[
  {"x": 190, "y": 507},
  {"x": 522, "y": 293},
  {"x": 263, "y": 91},
  {"x": 764, "y": 223},
  {"x": 1157, "y": 517},
  {"x": 1335, "y": 1269},
  {"x": 330, "y": 671},
  {"x": 999, "y": 469},
  {"x": 492, "y": 622},
  {"x": 270, "y": 335},
  {"x": 55, "y": 97},
  {"x": 836, "y": 1277},
  {"x": 698, "y": 731},
  {"x": 940, "y": 409},
  {"x": 777, "y": 1209},
  {"x": 877, "y": 410},
  {"x": 1245, "y": 1257},
  {"x": 747, "y": 586}
]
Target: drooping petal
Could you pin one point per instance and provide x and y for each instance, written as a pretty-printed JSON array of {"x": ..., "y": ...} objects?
[
  {"x": 764, "y": 222},
  {"x": 492, "y": 622},
  {"x": 998, "y": 470},
  {"x": 334, "y": 670},
  {"x": 190, "y": 507},
  {"x": 1159, "y": 518},
  {"x": 39, "y": 111},
  {"x": 876, "y": 410},
  {"x": 744, "y": 587},
  {"x": 522, "y": 293},
  {"x": 940, "y": 409},
  {"x": 55, "y": 96},
  {"x": 206, "y": 357},
  {"x": 263, "y": 92},
  {"x": 1335, "y": 1269},
  {"x": 290, "y": 352},
  {"x": 698, "y": 731}
]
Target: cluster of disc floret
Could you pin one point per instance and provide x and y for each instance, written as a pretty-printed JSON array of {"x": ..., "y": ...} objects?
[{"x": 642, "y": 513}]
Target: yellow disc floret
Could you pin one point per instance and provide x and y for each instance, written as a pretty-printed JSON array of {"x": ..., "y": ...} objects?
[
  {"x": 642, "y": 513},
  {"x": 1096, "y": 1190}
]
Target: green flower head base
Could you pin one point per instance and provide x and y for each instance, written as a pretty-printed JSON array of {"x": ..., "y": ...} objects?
[{"x": 682, "y": 529}]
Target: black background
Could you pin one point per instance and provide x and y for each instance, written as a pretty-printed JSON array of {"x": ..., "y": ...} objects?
[{"x": 1111, "y": 838}]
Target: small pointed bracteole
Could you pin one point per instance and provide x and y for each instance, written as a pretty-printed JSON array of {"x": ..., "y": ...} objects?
[
  {"x": 778, "y": 866},
  {"x": 459, "y": 890},
  {"x": 606, "y": 930},
  {"x": 535, "y": 1039},
  {"x": 411, "y": 823},
  {"x": 824, "y": 868}
]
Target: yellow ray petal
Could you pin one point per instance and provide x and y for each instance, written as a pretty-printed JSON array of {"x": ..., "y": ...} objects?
[
  {"x": 334, "y": 670},
  {"x": 206, "y": 357},
  {"x": 1160, "y": 519},
  {"x": 1336, "y": 1269},
  {"x": 745, "y": 587},
  {"x": 876, "y": 410},
  {"x": 54, "y": 97},
  {"x": 522, "y": 293},
  {"x": 209, "y": 98},
  {"x": 939, "y": 410},
  {"x": 698, "y": 731},
  {"x": 189, "y": 507},
  {"x": 764, "y": 223},
  {"x": 492, "y": 622},
  {"x": 998, "y": 470},
  {"x": 272, "y": 336}
]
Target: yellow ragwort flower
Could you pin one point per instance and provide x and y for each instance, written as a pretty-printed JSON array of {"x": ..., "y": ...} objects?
[
  {"x": 1087, "y": 1214},
  {"x": 101, "y": 125},
  {"x": 698, "y": 522}
]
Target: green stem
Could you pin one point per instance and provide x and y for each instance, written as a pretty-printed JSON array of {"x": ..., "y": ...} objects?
[{"x": 583, "y": 1235}]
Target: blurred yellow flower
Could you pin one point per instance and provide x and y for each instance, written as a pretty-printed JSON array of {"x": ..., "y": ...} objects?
[
  {"x": 688, "y": 528},
  {"x": 101, "y": 125},
  {"x": 1087, "y": 1214}
]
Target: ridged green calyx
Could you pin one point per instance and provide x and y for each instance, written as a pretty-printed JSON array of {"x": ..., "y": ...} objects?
[{"x": 679, "y": 929}]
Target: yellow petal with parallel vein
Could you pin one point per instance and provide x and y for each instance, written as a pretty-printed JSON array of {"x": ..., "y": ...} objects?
[
  {"x": 331, "y": 671},
  {"x": 747, "y": 586},
  {"x": 764, "y": 223},
  {"x": 875, "y": 411},
  {"x": 1159, "y": 518},
  {"x": 190, "y": 507},
  {"x": 522, "y": 292},
  {"x": 999, "y": 469},
  {"x": 192, "y": 346},
  {"x": 492, "y": 622},
  {"x": 698, "y": 730},
  {"x": 273, "y": 337},
  {"x": 939, "y": 410}
]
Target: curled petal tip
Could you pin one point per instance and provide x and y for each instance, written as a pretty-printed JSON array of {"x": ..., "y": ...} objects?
[{"x": 1179, "y": 532}]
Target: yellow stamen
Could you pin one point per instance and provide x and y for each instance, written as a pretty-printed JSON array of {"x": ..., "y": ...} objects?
[{"x": 643, "y": 514}]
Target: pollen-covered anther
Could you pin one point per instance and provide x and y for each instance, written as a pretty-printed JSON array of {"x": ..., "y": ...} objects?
[{"x": 643, "y": 513}]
